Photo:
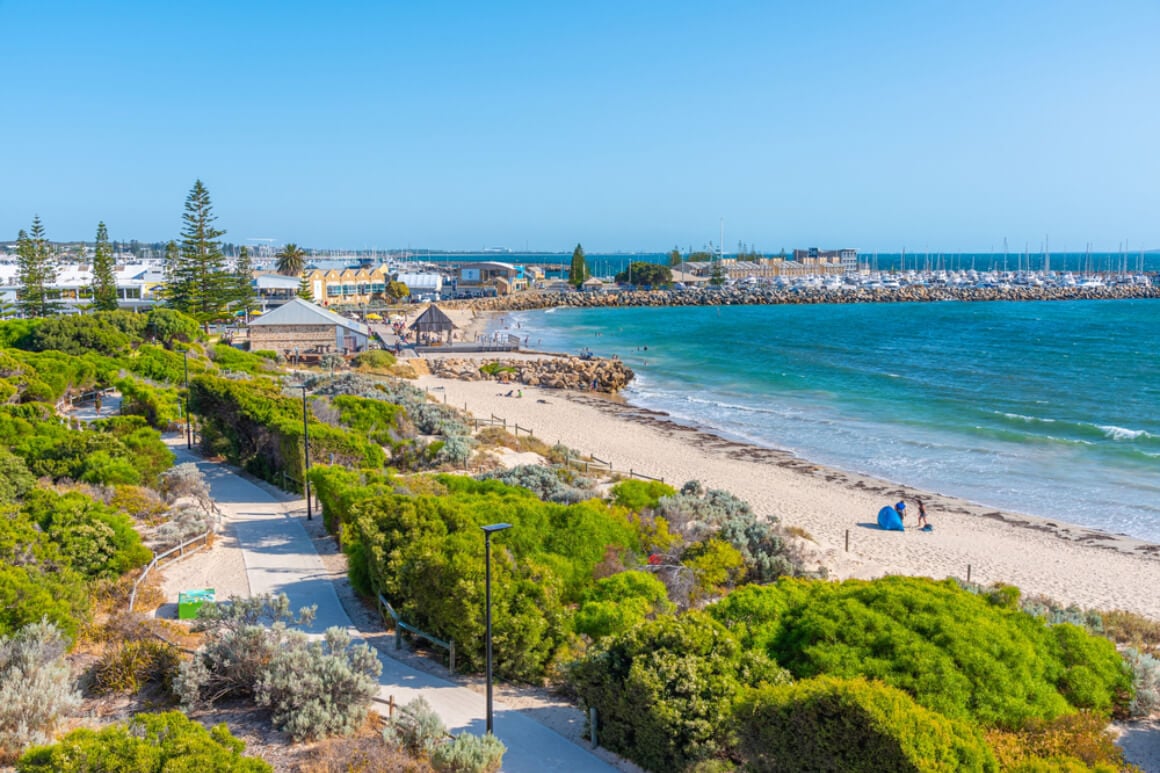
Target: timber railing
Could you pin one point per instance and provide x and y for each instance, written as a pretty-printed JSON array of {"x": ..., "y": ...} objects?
[
  {"x": 180, "y": 550},
  {"x": 400, "y": 626}
]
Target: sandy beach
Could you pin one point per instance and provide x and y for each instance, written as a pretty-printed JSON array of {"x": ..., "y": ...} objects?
[{"x": 1066, "y": 562}]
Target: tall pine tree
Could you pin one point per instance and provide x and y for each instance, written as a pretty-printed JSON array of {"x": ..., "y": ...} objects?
[
  {"x": 578, "y": 270},
  {"x": 197, "y": 280},
  {"x": 36, "y": 273},
  {"x": 104, "y": 281},
  {"x": 244, "y": 295}
]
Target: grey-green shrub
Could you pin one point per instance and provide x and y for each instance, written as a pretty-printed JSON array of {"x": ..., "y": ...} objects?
[
  {"x": 35, "y": 685},
  {"x": 416, "y": 728},
  {"x": 469, "y": 753},
  {"x": 242, "y": 637},
  {"x": 319, "y": 688},
  {"x": 548, "y": 483},
  {"x": 1145, "y": 682},
  {"x": 697, "y": 515}
]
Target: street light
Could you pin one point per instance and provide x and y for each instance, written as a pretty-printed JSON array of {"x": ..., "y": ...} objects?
[
  {"x": 306, "y": 449},
  {"x": 487, "y": 532},
  {"x": 188, "y": 418}
]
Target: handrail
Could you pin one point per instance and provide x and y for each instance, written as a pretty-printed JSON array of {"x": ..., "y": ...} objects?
[
  {"x": 204, "y": 537},
  {"x": 400, "y": 626}
]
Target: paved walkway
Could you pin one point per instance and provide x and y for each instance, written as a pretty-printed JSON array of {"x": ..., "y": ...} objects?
[{"x": 280, "y": 558}]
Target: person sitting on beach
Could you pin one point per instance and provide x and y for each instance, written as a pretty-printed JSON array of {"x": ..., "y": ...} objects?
[
  {"x": 510, "y": 392},
  {"x": 901, "y": 508}
]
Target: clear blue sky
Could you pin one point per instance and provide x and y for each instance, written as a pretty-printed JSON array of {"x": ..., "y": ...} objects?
[{"x": 623, "y": 125}]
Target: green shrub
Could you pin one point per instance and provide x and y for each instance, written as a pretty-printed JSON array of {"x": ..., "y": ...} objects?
[
  {"x": 852, "y": 726},
  {"x": 617, "y": 603},
  {"x": 954, "y": 651},
  {"x": 640, "y": 494},
  {"x": 664, "y": 691},
  {"x": 227, "y": 357},
  {"x": 170, "y": 326},
  {"x": 108, "y": 332},
  {"x": 469, "y": 753},
  {"x": 425, "y": 553},
  {"x": 375, "y": 359},
  {"x": 95, "y": 539},
  {"x": 149, "y": 743},
  {"x": 380, "y": 421}
]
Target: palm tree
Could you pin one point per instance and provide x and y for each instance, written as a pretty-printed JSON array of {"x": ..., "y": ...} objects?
[{"x": 291, "y": 260}]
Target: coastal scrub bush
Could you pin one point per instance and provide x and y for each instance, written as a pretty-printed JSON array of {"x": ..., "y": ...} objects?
[
  {"x": 15, "y": 479},
  {"x": 551, "y": 484},
  {"x": 469, "y": 753},
  {"x": 698, "y": 515},
  {"x": 316, "y": 689},
  {"x": 241, "y": 637},
  {"x": 1077, "y": 743},
  {"x": 664, "y": 690},
  {"x": 416, "y": 728},
  {"x": 227, "y": 357},
  {"x": 160, "y": 406},
  {"x": 127, "y": 666},
  {"x": 169, "y": 326},
  {"x": 425, "y": 554},
  {"x": 35, "y": 686},
  {"x": 639, "y": 495},
  {"x": 854, "y": 726},
  {"x": 95, "y": 539},
  {"x": 954, "y": 651},
  {"x": 157, "y": 363},
  {"x": 375, "y": 359},
  {"x": 148, "y": 743},
  {"x": 617, "y": 603},
  {"x": 380, "y": 421},
  {"x": 1145, "y": 670},
  {"x": 108, "y": 332}
]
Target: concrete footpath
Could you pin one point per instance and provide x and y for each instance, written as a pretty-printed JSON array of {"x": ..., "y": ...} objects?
[{"x": 280, "y": 558}]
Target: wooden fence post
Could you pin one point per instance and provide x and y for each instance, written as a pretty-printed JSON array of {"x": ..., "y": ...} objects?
[{"x": 847, "y": 540}]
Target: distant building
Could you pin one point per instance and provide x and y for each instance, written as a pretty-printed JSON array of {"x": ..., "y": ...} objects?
[
  {"x": 502, "y": 278},
  {"x": 826, "y": 260},
  {"x": 349, "y": 286},
  {"x": 137, "y": 284},
  {"x": 299, "y": 329}
]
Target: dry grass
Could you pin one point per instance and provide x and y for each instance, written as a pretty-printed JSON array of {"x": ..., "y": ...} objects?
[
  {"x": 1129, "y": 629},
  {"x": 799, "y": 532},
  {"x": 364, "y": 752}
]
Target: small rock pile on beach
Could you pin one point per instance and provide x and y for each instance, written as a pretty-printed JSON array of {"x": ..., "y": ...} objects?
[
  {"x": 593, "y": 374},
  {"x": 739, "y": 296}
]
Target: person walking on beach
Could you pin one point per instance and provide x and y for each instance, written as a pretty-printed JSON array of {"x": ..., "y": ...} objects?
[{"x": 921, "y": 513}]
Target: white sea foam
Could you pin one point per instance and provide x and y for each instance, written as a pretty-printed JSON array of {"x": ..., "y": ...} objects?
[{"x": 1121, "y": 433}]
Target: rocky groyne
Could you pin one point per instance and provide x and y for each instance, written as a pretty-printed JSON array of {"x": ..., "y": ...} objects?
[
  {"x": 588, "y": 374},
  {"x": 741, "y": 296}
]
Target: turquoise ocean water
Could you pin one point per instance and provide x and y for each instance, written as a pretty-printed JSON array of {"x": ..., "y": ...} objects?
[{"x": 1047, "y": 408}]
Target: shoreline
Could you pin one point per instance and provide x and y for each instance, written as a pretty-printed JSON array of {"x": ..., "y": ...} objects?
[{"x": 1043, "y": 556}]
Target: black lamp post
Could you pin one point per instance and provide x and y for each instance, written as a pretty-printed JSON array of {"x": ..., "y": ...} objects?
[
  {"x": 487, "y": 532},
  {"x": 306, "y": 449},
  {"x": 188, "y": 418}
]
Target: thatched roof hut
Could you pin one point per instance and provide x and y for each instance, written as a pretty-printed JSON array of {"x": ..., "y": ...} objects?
[{"x": 433, "y": 323}]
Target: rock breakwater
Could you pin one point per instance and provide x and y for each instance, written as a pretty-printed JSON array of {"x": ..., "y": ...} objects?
[
  {"x": 591, "y": 374},
  {"x": 738, "y": 296}
]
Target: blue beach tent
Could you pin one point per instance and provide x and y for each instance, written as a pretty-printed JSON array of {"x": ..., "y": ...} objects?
[{"x": 890, "y": 520}]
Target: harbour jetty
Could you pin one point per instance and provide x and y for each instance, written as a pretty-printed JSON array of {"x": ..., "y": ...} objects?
[
  {"x": 591, "y": 374},
  {"x": 740, "y": 295}
]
